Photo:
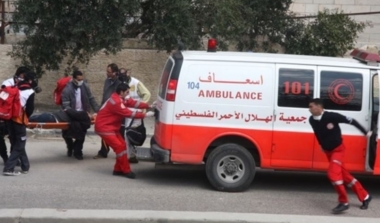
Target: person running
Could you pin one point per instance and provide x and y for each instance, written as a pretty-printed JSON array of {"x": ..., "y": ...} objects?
[{"x": 329, "y": 135}]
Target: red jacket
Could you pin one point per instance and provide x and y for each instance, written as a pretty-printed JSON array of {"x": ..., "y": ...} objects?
[{"x": 110, "y": 116}]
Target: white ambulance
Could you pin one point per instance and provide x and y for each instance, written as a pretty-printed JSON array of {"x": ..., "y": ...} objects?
[{"x": 238, "y": 111}]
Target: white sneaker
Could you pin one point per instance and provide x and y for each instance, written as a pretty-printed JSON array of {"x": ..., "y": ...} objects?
[
  {"x": 24, "y": 171},
  {"x": 11, "y": 173}
]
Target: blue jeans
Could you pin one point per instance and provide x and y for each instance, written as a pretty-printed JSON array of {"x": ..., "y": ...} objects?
[{"x": 44, "y": 117}]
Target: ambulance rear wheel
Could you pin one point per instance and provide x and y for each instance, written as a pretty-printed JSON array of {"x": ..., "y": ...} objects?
[{"x": 231, "y": 168}]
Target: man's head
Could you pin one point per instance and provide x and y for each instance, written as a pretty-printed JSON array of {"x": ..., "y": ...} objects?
[
  {"x": 316, "y": 106},
  {"x": 122, "y": 71},
  {"x": 122, "y": 90},
  {"x": 78, "y": 78},
  {"x": 28, "y": 78},
  {"x": 20, "y": 73},
  {"x": 124, "y": 76},
  {"x": 112, "y": 71}
]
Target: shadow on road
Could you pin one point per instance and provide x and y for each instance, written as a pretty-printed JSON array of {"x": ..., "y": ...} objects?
[{"x": 264, "y": 179}]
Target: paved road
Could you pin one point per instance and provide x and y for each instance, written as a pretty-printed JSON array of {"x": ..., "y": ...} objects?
[{"x": 56, "y": 181}]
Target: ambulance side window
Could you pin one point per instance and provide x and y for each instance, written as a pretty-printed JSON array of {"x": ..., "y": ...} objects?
[
  {"x": 296, "y": 87},
  {"x": 341, "y": 90}
]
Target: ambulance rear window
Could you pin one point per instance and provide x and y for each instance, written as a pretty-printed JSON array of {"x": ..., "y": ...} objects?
[{"x": 165, "y": 77}]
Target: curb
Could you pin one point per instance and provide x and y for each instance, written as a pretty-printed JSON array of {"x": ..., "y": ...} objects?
[
  {"x": 53, "y": 132},
  {"x": 129, "y": 216}
]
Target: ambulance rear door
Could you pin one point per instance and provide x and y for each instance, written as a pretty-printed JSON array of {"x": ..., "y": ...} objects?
[
  {"x": 166, "y": 97},
  {"x": 344, "y": 90},
  {"x": 373, "y": 158}
]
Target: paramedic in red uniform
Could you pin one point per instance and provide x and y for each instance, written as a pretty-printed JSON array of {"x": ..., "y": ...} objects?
[
  {"x": 108, "y": 123},
  {"x": 327, "y": 131}
]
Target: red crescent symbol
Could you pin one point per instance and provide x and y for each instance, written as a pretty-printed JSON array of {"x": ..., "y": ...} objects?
[{"x": 336, "y": 93}]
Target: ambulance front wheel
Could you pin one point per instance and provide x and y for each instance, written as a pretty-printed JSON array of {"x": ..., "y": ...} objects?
[{"x": 231, "y": 168}]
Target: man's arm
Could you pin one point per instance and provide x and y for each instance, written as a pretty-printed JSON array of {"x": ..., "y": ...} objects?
[
  {"x": 143, "y": 92},
  {"x": 8, "y": 82},
  {"x": 348, "y": 120},
  {"x": 65, "y": 96},
  {"x": 121, "y": 109},
  {"x": 136, "y": 104},
  {"x": 316, "y": 136},
  {"x": 92, "y": 100},
  {"x": 29, "y": 106}
]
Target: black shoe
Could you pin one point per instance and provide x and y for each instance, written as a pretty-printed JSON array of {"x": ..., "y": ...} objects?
[
  {"x": 340, "y": 208},
  {"x": 366, "y": 203},
  {"x": 118, "y": 173},
  {"x": 99, "y": 156},
  {"x": 78, "y": 156},
  {"x": 69, "y": 153},
  {"x": 130, "y": 175},
  {"x": 133, "y": 160}
]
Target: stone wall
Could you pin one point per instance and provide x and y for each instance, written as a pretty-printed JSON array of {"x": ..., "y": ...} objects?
[
  {"x": 146, "y": 66},
  {"x": 370, "y": 36}
]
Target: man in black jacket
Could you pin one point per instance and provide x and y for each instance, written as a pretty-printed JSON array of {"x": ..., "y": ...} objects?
[
  {"x": 77, "y": 95},
  {"x": 17, "y": 127},
  {"x": 110, "y": 85},
  {"x": 328, "y": 133},
  {"x": 78, "y": 121},
  {"x": 19, "y": 75}
]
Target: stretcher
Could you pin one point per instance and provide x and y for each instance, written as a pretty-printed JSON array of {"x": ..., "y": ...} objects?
[
  {"x": 51, "y": 125},
  {"x": 65, "y": 125}
]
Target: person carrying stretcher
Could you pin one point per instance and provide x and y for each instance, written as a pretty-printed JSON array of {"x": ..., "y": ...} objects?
[{"x": 108, "y": 123}]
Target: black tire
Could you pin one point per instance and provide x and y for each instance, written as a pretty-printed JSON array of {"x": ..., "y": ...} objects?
[
  {"x": 241, "y": 168},
  {"x": 152, "y": 141}
]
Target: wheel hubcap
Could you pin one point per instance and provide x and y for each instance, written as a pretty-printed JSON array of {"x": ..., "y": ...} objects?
[{"x": 230, "y": 169}]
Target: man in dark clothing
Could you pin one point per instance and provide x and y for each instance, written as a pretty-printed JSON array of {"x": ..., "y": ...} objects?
[
  {"x": 328, "y": 133},
  {"x": 17, "y": 127},
  {"x": 19, "y": 75},
  {"x": 3, "y": 146},
  {"x": 78, "y": 121},
  {"x": 110, "y": 85},
  {"x": 77, "y": 95}
]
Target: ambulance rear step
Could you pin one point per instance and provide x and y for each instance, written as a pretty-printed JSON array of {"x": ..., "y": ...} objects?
[{"x": 144, "y": 154}]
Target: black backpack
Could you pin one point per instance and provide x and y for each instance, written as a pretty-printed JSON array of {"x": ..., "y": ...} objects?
[{"x": 136, "y": 136}]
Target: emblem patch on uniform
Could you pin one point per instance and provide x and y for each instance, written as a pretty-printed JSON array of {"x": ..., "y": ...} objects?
[
  {"x": 132, "y": 88},
  {"x": 330, "y": 126},
  {"x": 4, "y": 95}
]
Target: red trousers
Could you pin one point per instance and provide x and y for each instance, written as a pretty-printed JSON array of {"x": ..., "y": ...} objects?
[
  {"x": 117, "y": 143},
  {"x": 339, "y": 176}
]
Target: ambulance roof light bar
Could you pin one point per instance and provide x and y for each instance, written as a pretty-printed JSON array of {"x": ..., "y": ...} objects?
[
  {"x": 371, "y": 59},
  {"x": 211, "y": 45}
]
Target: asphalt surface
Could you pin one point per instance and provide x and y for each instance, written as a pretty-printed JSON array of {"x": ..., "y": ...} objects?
[{"x": 59, "y": 182}]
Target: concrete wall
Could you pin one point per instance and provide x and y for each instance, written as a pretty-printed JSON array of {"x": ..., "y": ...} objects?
[
  {"x": 146, "y": 65},
  {"x": 370, "y": 36}
]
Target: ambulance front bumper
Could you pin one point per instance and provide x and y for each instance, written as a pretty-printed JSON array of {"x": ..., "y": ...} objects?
[{"x": 159, "y": 154}]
